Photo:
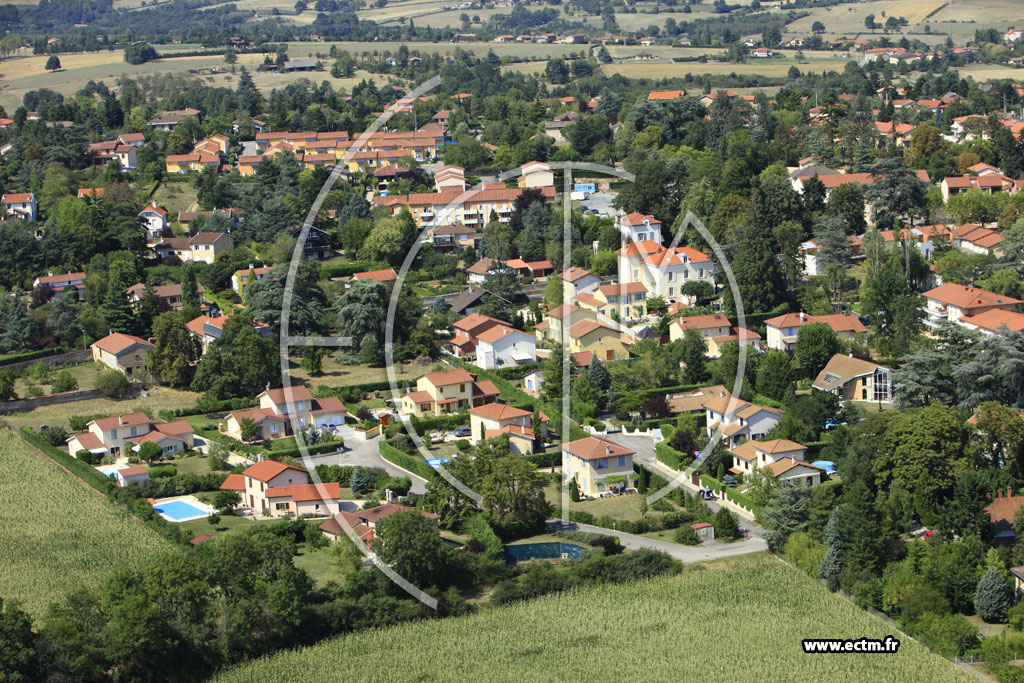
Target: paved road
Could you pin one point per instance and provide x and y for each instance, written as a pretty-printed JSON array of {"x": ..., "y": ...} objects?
[
  {"x": 367, "y": 454},
  {"x": 711, "y": 550}
]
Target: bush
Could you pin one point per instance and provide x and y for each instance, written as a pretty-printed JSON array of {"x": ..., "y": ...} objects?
[
  {"x": 463, "y": 445},
  {"x": 64, "y": 381},
  {"x": 805, "y": 552},
  {"x": 581, "y": 517},
  {"x": 113, "y": 384},
  {"x": 55, "y": 436},
  {"x": 726, "y": 528},
  {"x": 662, "y": 505},
  {"x": 609, "y": 544},
  {"x": 687, "y": 535},
  {"x": 406, "y": 461},
  {"x": 675, "y": 519},
  {"x": 163, "y": 471},
  {"x": 78, "y": 423},
  {"x": 950, "y": 634},
  {"x": 1015, "y": 617}
]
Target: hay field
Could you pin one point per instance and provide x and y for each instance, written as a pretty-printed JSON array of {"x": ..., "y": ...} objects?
[
  {"x": 56, "y": 533},
  {"x": 773, "y": 68},
  {"x": 413, "y": 8},
  {"x": 738, "y": 621}
]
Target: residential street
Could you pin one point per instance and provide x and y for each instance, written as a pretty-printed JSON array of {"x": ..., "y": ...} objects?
[
  {"x": 366, "y": 454},
  {"x": 712, "y": 550}
]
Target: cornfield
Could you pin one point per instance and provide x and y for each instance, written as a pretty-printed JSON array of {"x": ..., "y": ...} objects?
[
  {"x": 743, "y": 622},
  {"x": 57, "y": 534}
]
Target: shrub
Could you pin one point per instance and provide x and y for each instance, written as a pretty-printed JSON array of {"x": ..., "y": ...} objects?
[
  {"x": 726, "y": 528},
  {"x": 581, "y": 517},
  {"x": 951, "y": 634},
  {"x": 992, "y": 597},
  {"x": 463, "y": 445},
  {"x": 662, "y": 505},
  {"x": 675, "y": 519},
  {"x": 1015, "y": 617},
  {"x": 34, "y": 391},
  {"x": 55, "y": 436},
  {"x": 687, "y": 535},
  {"x": 609, "y": 544},
  {"x": 406, "y": 461},
  {"x": 574, "y": 491},
  {"x": 805, "y": 552},
  {"x": 64, "y": 381},
  {"x": 113, "y": 384}
]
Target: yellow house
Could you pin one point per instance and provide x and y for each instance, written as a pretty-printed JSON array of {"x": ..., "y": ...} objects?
[
  {"x": 277, "y": 406},
  {"x": 550, "y": 329},
  {"x": 621, "y": 301},
  {"x": 598, "y": 465},
  {"x": 604, "y": 342},
  {"x": 247, "y": 165},
  {"x": 447, "y": 392},
  {"x": 753, "y": 455},
  {"x": 716, "y": 330},
  {"x": 180, "y": 164},
  {"x": 125, "y": 353}
]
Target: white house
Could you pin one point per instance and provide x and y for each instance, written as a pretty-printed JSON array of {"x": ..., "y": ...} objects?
[
  {"x": 20, "y": 205},
  {"x": 127, "y": 475},
  {"x": 155, "y": 219},
  {"x": 663, "y": 271},
  {"x": 536, "y": 174},
  {"x": 504, "y": 346},
  {"x": 639, "y": 227},
  {"x": 578, "y": 280},
  {"x": 739, "y": 419},
  {"x": 952, "y": 302}
]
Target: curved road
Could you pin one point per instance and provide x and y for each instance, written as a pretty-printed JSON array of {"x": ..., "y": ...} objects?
[{"x": 688, "y": 554}]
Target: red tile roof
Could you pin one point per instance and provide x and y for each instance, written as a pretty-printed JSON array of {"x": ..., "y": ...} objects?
[{"x": 268, "y": 469}]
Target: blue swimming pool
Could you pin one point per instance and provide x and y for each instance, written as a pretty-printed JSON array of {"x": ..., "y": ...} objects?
[
  {"x": 179, "y": 510},
  {"x": 542, "y": 551}
]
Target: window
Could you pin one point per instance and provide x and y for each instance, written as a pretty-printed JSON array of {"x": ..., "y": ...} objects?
[
  {"x": 671, "y": 276},
  {"x": 789, "y": 331},
  {"x": 622, "y": 461},
  {"x": 281, "y": 506},
  {"x": 113, "y": 433},
  {"x": 671, "y": 291},
  {"x": 132, "y": 430}
]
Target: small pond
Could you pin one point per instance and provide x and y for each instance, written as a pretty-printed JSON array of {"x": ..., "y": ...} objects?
[{"x": 542, "y": 551}]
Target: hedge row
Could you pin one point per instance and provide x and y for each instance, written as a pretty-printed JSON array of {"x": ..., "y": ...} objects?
[
  {"x": 328, "y": 447},
  {"x": 205, "y": 406},
  {"x": 730, "y": 494},
  {"x": 323, "y": 391},
  {"x": 670, "y": 456},
  {"x": 545, "y": 459},
  {"x": 343, "y": 269},
  {"x": 406, "y": 461},
  {"x": 233, "y": 444},
  {"x": 83, "y": 470},
  {"x": 28, "y": 355}
]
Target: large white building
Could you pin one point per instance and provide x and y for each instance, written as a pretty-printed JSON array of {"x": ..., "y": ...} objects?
[{"x": 663, "y": 271}]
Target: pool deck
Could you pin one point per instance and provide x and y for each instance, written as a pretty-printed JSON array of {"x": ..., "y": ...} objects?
[{"x": 191, "y": 500}]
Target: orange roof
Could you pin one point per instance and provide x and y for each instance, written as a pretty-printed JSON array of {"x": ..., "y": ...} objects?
[
  {"x": 666, "y": 94},
  {"x": 268, "y": 469},
  {"x": 386, "y": 275},
  {"x": 475, "y": 320},
  {"x": 126, "y": 420},
  {"x": 994, "y": 318},
  {"x": 585, "y": 327},
  {"x": 498, "y": 411},
  {"x": 234, "y": 482},
  {"x": 497, "y": 332},
  {"x": 640, "y": 248},
  {"x": 17, "y": 198},
  {"x": 595, "y": 447},
  {"x": 638, "y": 219},
  {"x": 116, "y": 343},
  {"x": 293, "y": 393},
  {"x": 963, "y": 296},
  {"x": 446, "y": 377},
  {"x": 703, "y": 322},
  {"x": 837, "y": 321},
  {"x": 305, "y": 493}
]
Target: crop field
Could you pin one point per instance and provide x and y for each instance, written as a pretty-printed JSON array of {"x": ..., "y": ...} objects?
[
  {"x": 736, "y": 621},
  {"x": 56, "y": 533},
  {"x": 774, "y": 68},
  {"x": 414, "y": 8}
]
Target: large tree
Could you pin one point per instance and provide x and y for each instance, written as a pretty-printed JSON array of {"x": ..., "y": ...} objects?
[
  {"x": 816, "y": 343},
  {"x": 240, "y": 364},
  {"x": 409, "y": 544},
  {"x": 757, "y": 272},
  {"x": 175, "y": 352}
]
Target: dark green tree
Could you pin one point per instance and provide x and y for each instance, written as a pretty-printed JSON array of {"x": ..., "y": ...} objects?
[{"x": 992, "y": 598}]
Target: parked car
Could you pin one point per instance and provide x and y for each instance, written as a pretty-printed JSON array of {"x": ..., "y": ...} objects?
[{"x": 462, "y": 431}]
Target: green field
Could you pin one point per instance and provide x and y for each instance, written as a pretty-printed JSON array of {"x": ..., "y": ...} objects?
[
  {"x": 739, "y": 621},
  {"x": 56, "y": 533}
]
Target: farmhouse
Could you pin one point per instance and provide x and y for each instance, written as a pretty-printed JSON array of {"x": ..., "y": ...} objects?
[
  {"x": 598, "y": 466},
  {"x": 125, "y": 353}
]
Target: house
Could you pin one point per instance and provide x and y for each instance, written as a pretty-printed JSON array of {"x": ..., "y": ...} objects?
[
  {"x": 275, "y": 489},
  {"x": 695, "y": 400},
  {"x": 154, "y": 218},
  {"x": 90, "y": 192},
  {"x": 504, "y": 346},
  {"x": 128, "y": 475},
  {"x": 988, "y": 182},
  {"x": 385, "y": 275},
  {"x": 207, "y": 330},
  {"x": 203, "y": 246},
  {"x": 666, "y": 94},
  {"x": 364, "y": 522},
  {"x": 465, "y": 302},
  {"x": 241, "y": 277},
  {"x": 112, "y": 435},
  {"x": 753, "y": 455},
  {"x": 133, "y": 139},
  {"x": 604, "y": 342},
  {"x": 617, "y": 301},
  {"x": 170, "y": 119},
  {"x": 794, "y": 470},
  {"x": 122, "y": 352},
  {"x": 782, "y": 330},
  {"x": 180, "y": 164},
  {"x": 300, "y": 65},
  {"x": 1013, "y": 35},
  {"x": 452, "y": 237},
  {"x": 58, "y": 283},
  {"x": 663, "y": 271},
  {"x": 952, "y": 301},
  {"x": 598, "y": 466},
  {"x": 112, "y": 150},
  {"x": 639, "y": 227},
  {"x": 468, "y": 329},
  {"x": 705, "y": 531},
  {"x": 446, "y": 392},
  {"x": 576, "y": 280},
  {"x": 739, "y": 419},
  {"x": 975, "y": 239},
  {"x": 1001, "y": 512},
  {"x": 168, "y": 297},
  {"x": 643, "y": 56},
  {"x": 449, "y": 178},
  {"x": 533, "y": 382},
  {"x": 989, "y": 322},
  {"x": 853, "y": 379},
  {"x": 561, "y": 317},
  {"x": 279, "y": 407},
  {"x": 536, "y": 174},
  {"x": 20, "y": 205},
  {"x": 497, "y": 419},
  {"x": 456, "y": 207},
  {"x": 716, "y": 330},
  {"x": 762, "y": 53}
]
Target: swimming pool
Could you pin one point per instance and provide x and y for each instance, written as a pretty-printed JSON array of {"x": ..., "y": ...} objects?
[
  {"x": 180, "y": 511},
  {"x": 542, "y": 551},
  {"x": 109, "y": 470},
  {"x": 437, "y": 462}
]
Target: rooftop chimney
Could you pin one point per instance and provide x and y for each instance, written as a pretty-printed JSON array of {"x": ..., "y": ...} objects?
[
  {"x": 120, "y": 419},
  {"x": 1009, "y": 492},
  {"x": 803, "y": 316}
]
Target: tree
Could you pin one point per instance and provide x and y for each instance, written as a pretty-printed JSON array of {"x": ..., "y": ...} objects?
[
  {"x": 513, "y": 488},
  {"x": 598, "y": 376},
  {"x": 834, "y": 253},
  {"x": 409, "y": 544},
  {"x": 64, "y": 381},
  {"x": 893, "y": 308},
  {"x": 17, "y": 327},
  {"x": 897, "y": 189},
  {"x": 112, "y": 383},
  {"x": 226, "y": 501},
  {"x": 992, "y": 598},
  {"x": 115, "y": 307},
  {"x": 63, "y": 319},
  {"x": 53, "y": 63},
  {"x": 150, "y": 451},
  {"x": 869, "y": 21},
  {"x": 816, "y": 343},
  {"x": 17, "y": 644},
  {"x": 249, "y": 429},
  {"x": 694, "y": 355},
  {"x": 786, "y": 513},
  {"x": 557, "y": 71},
  {"x": 927, "y": 442},
  {"x": 7, "y": 380},
  {"x": 758, "y": 275},
  {"x": 686, "y": 535},
  {"x": 817, "y": 27},
  {"x": 175, "y": 352},
  {"x": 359, "y": 310},
  {"x": 847, "y": 202},
  {"x": 726, "y": 528},
  {"x": 239, "y": 364},
  {"x": 775, "y": 375}
]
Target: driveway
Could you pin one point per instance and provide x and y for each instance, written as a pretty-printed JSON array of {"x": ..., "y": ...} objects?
[
  {"x": 602, "y": 201},
  {"x": 367, "y": 454},
  {"x": 711, "y": 550}
]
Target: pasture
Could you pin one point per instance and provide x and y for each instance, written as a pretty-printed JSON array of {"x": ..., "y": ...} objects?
[
  {"x": 56, "y": 533},
  {"x": 772, "y": 68},
  {"x": 735, "y": 621},
  {"x": 156, "y": 399}
]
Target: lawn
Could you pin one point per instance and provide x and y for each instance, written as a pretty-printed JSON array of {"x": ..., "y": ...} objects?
[
  {"x": 85, "y": 373},
  {"x": 56, "y": 533},
  {"x": 176, "y": 197},
  {"x": 335, "y": 374},
  {"x": 740, "y": 621},
  {"x": 227, "y": 523},
  {"x": 156, "y": 399},
  {"x": 318, "y": 563},
  {"x": 772, "y": 68},
  {"x": 627, "y": 506}
]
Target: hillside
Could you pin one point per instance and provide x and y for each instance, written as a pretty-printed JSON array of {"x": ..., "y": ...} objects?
[
  {"x": 56, "y": 533},
  {"x": 726, "y": 621}
]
